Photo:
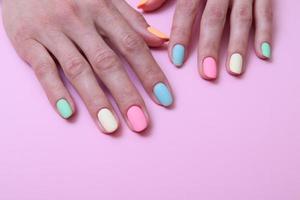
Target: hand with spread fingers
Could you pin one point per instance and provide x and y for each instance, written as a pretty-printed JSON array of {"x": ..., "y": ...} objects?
[
  {"x": 82, "y": 37},
  {"x": 242, "y": 13}
]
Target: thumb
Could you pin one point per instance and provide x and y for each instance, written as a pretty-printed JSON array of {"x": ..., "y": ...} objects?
[{"x": 150, "y": 5}]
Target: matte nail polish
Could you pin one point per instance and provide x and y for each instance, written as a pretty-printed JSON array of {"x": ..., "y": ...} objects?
[
  {"x": 107, "y": 120},
  {"x": 266, "y": 50},
  {"x": 210, "y": 68},
  {"x": 236, "y": 63},
  {"x": 157, "y": 33},
  {"x": 142, "y": 3},
  {"x": 178, "y": 53},
  {"x": 64, "y": 108},
  {"x": 163, "y": 94},
  {"x": 137, "y": 118}
]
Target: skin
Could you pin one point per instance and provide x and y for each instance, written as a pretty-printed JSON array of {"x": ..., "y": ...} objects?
[
  {"x": 242, "y": 14},
  {"x": 78, "y": 35}
]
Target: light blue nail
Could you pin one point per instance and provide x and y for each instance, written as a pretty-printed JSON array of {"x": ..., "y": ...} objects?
[
  {"x": 163, "y": 94},
  {"x": 178, "y": 53}
]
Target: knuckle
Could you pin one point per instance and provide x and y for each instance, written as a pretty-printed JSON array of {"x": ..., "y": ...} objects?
[
  {"x": 74, "y": 67},
  {"x": 244, "y": 14},
  {"x": 105, "y": 61},
  {"x": 43, "y": 68},
  {"x": 267, "y": 13},
  {"x": 215, "y": 15},
  {"x": 131, "y": 42},
  {"x": 66, "y": 11},
  {"x": 21, "y": 34},
  {"x": 188, "y": 7}
]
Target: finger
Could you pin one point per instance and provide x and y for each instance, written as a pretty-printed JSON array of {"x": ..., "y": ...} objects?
[
  {"x": 240, "y": 25},
  {"x": 109, "y": 68},
  {"x": 150, "y": 5},
  {"x": 47, "y": 73},
  {"x": 184, "y": 17},
  {"x": 263, "y": 34},
  {"x": 151, "y": 35},
  {"x": 136, "y": 52},
  {"x": 212, "y": 26},
  {"x": 82, "y": 78}
]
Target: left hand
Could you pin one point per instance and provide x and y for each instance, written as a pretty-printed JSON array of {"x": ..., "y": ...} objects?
[{"x": 212, "y": 25}]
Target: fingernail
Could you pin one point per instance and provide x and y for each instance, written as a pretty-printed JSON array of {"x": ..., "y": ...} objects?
[
  {"x": 163, "y": 94},
  {"x": 266, "y": 50},
  {"x": 107, "y": 120},
  {"x": 178, "y": 52},
  {"x": 157, "y": 33},
  {"x": 137, "y": 119},
  {"x": 236, "y": 63},
  {"x": 210, "y": 68},
  {"x": 142, "y": 3},
  {"x": 64, "y": 108}
]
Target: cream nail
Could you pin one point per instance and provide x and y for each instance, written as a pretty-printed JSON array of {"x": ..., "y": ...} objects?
[
  {"x": 107, "y": 120},
  {"x": 236, "y": 63}
]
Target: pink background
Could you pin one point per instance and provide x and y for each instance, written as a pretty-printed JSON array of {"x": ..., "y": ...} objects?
[{"x": 232, "y": 140}]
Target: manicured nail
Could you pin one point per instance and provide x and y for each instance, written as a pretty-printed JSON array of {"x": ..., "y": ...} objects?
[
  {"x": 158, "y": 33},
  {"x": 107, "y": 120},
  {"x": 64, "y": 108},
  {"x": 163, "y": 94},
  {"x": 236, "y": 63},
  {"x": 142, "y": 3},
  {"x": 210, "y": 68},
  {"x": 137, "y": 119},
  {"x": 266, "y": 50},
  {"x": 178, "y": 53}
]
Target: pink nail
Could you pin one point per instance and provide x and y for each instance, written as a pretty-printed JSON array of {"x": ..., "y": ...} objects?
[
  {"x": 210, "y": 68},
  {"x": 137, "y": 118}
]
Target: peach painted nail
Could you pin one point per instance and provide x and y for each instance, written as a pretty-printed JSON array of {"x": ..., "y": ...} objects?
[
  {"x": 137, "y": 118},
  {"x": 210, "y": 68},
  {"x": 142, "y": 3},
  {"x": 158, "y": 33}
]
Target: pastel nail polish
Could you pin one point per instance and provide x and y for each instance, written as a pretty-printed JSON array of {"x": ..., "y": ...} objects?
[
  {"x": 210, "y": 68},
  {"x": 142, "y": 3},
  {"x": 266, "y": 50},
  {"x": 163, "y": 94},
  {"x": 137, "y": 118},
  {"x": 158, "y": 33},
  {"x": 236, "y": 63},
  {"x": 64, "y": 108},
  {"x": 107, "y": 120},
  {"x": 178, "y": 53}
]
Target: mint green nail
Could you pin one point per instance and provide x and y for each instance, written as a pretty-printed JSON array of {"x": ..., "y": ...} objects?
[
  {"x": 178, "y": 53},
  {"x": 64, "y": 108},
  {"x": 266, "y": 50}
]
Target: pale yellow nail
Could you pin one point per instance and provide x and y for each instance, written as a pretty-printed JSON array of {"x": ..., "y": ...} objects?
[
  {"x": 107, "y": 120},
  {"x": 236, "y": 63},
  {"x": 157, "y": 33},
  {"x": 142, "y": 3}
]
